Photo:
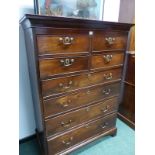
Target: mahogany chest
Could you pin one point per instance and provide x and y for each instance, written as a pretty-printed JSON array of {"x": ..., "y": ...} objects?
[{"x": 75, "y": 69}]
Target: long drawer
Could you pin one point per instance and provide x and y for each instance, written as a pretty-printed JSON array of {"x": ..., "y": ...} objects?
[
  {"x": 61, "y": 65},
  {"x": 83, "y": 133},
  {"x": 66, "y": 84},
  {"x": 63, "y": 122},
  {"x": 87, "y": 96},
  {"x": 107, "y": 60}
]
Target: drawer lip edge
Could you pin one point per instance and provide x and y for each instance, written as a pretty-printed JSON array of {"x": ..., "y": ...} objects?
[
  {"x": 112, "y": 115},
  {"x": 63, "y": 74},
  {"x": 78, "y": 74},
  {"x": 88, "y": 140},
  {"x": 110, "y": 50},
  {"x": 83, "y": 89},
  {"x": 60, "y": 57},
  {"x": 107, "y": 67},
  {"x": 41, "y": 56},
  {"x": 79, "y": 89},
  {"x": 81, "y": 124},
  {"x": 46, "y": 119},
  {"x": 89, "y": 104},
  {"x": 83, "y": 72}
]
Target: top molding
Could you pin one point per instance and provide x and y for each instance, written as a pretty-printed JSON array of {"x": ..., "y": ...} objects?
[{"x": 31, "y": 20}]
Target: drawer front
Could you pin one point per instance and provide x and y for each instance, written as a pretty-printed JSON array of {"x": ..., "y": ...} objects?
[
  {"x": 83, "y": 133},
  {"x": 104, "y": 41},
  {"x": 85, "y": 97},
  {"x": 107, "y": 60},
  {"x": 71, "y": 119},
  {"x": 53, "y": 44},
  {"x": 66, "y": 84},
  {"x": 55, "y": 66}
]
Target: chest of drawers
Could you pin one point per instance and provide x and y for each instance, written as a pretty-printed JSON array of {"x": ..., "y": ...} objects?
[{"x": 75, "y": 69}]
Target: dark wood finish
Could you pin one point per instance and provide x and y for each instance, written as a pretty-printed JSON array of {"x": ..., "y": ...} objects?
[
  {"x": 130, "y": 74},
  {"x": 111, "y": 132},
  {"x": 72, "y": 119},
  {"x": 126, "y": 120},
  {"x": 100, "y": 61},
  {"x": 34, "y": 21},
  {"x": 62, "y": 31},
  {"x": 81, "y": 134},
  {"x": 85, "y": 97},
  {"x": 53, "y": 66},
  {"x": 61, "y": 50},
  {"x": 51, "y": 44},
  {"x": 66, "y": 84},
  {"x": 127, "y": 106},
  {"x": 100, "y": 40}
]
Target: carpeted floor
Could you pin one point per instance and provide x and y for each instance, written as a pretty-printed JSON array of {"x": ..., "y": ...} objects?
[{"x": 122, "y": 144}]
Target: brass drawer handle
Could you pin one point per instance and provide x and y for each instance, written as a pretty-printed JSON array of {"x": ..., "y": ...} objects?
[
  {"x": 110, "y": 40},
  {"x": 88, "y": 92},
  {"x": 87, "y": 109},
  {"x": 67, "y": 62},
  {"x": 106, "y": 91},
  {"x": 66, "y": 104},
  {"x": 66, "y": 40},
  {"x": 104, "y": 125},
  {"x": 68, "y": 142},
  {"x": 87, "y": 125},
  {"x": 107, "y": 58},
  {"x": 89, "y": 75},
  {"x": 108, "y": 76},
  {"x": 67, "y": 86},
  {"x": 105, "y": 109},
  {"x": 66, "y": 125}
]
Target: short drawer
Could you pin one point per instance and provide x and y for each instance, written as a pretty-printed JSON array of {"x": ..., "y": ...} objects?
[
  {"x": 81, "y": 134},
  {"x": 58, "y": 105},
  {"x": 107, "y": 60},
  {"x": 66, "y": 84},
  {"x": 69, "y": 43},
  {"x": 71, "y": 119},
  {"x": 104, "y": 41},
  {"x": 54, "y": 66}
]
